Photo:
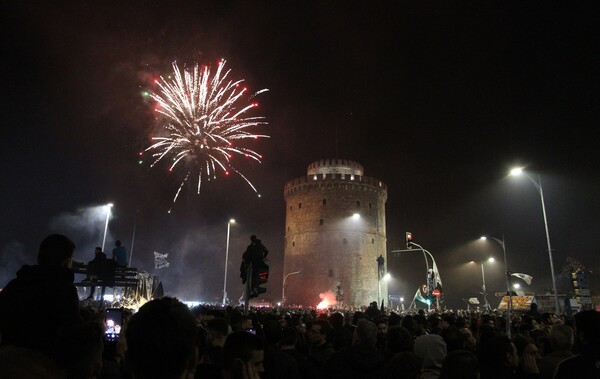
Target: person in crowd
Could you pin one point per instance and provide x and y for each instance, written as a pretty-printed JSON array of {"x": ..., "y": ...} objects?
[
  {"x": 398, "y": 340},
  {"x": 382, "y": 330},
  {"x": 243, "y": 356},
  {"x": 461, "y": 364},
  {"x": 288, "y": 341},
  {"x": 431, "y": 349},
  {"x": 340, "y": 336},
  {"x": 211, "y": 356},
  {"x": 277, "y": 363},
  {"x": 498, "y": 358},
  {"x": 161, "y": 341},
  {"x": 561, "y": 346},
  {"x": 361, "y": 360},
  {"x": 78, "y": 350},
  {"x": 41, "y": 299},
  {"x": 22, "y": 363},
  {"x": 587, "y": 363},
  {"x": 119, "y": 254},
  {"x": 320, "y": 349},
  {"x": 528, "y": 354},
  {"x": 404, "y": 365}
]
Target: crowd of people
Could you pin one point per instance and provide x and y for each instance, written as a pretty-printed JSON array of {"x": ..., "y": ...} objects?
[{"x": 46, "y": 333}]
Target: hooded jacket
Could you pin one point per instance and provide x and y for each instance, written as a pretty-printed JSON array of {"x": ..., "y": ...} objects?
[{"x": 36, "y": 304}]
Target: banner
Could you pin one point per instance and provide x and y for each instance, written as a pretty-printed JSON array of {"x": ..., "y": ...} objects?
[
  {"x": 160, "y": 260},
  {"x": 525, "y": 277}
]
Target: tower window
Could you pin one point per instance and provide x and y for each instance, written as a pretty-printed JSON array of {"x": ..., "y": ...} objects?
[
  {"x": 331, "y": 273},
  {"x": 345, "y": 241},
  {"x": 324, "y": 201},
  {"x": 299, "y": 205},
  {"x": 373, "y": 240},
  {"x": 288, "y": 228},
  {"x": 321, "y": 222},
  {"x": 290, "y": 207},
  {"x": 358, "y": 203},
  {"x": 370, "y": 205},
  {"x": 293, "y": 243}
]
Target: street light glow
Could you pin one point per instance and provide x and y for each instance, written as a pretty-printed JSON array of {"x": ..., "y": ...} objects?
[
  {"x": 387, "y": 277},
  {"x": 491, "y": 260},
  {"x": 356, "y": 216},
  {"x": 517, "y": 285},
  {"x": 516, "y": 171},
  {"x": 232, "y": 221}
]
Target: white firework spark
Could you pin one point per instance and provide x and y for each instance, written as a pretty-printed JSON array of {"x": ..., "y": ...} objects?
[{"x": 204, "y": 116}]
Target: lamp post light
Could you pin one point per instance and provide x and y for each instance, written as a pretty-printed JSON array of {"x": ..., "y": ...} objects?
[
  {"x": 231, "y": 221},
  {"x": 509, "y": 291},
  {"x": 283, "y": 286},
  {"x": 108, "y": 207},
  {"x": 402, "y": 303},
  {"x": 538, "y": 186},
  {"x": 486, "y": 304}
]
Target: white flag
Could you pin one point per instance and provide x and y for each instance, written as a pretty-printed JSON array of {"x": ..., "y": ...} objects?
[
  {"x": 160, "y": 260},
  {"x": 525, "y": 277}
]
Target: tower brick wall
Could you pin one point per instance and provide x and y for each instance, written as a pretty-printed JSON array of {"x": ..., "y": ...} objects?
[{"x": 325, "y": 241}]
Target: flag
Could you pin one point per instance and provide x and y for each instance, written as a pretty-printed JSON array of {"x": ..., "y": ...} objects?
[
  {"x": 525, "y": 277},
  {"x": 160, "y": 260}
]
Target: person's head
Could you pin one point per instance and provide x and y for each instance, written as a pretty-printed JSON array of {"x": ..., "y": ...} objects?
[
  {"x": 365, "y": 334},
  {"x": 460, "y": 364},
  {"x": 161, "y": 340},
  {"x": 533, "y": 307},
  {"x": 317, "y": 334},
  {"x": 253, "y": 238},
  {"x": 587, "y": 330},
  {"x": 382, "y": 326},
  {"x": 56, "y": 250},
  {"x": 499, "y": 352},
  {"x": 78, "y": 349},
  {"x": 18, "y": 362},
  {"x": 431, "y": 348},
  {"x": 117, "y": 243},
  {"x": 289, "y": 336},
  {"x": 97, "y": 250},
  {"x": 217, "y": 330},
  {"x": 399, "y": 339},
  {"x": 243, "y": 348}
]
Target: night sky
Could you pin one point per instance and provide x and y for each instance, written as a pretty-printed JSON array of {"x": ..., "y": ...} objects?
[{"x": 438, "y": 101}]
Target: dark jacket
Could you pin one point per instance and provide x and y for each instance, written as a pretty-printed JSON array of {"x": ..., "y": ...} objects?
[
  {"x": 354, "y": 362},
  {"x": 36, "y": 304}
]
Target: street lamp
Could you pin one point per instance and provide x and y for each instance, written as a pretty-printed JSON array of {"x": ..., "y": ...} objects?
[
  {"x": 501, "y": 243},
  {"x": 108, "y": 207},
  {"x": 283, "y": 286},
  {"x": 538, "y": 186},
  {"x": 486, "y": 304},
  {"x": 231, "y": 221},
  {"x": 402, "y": 303}
]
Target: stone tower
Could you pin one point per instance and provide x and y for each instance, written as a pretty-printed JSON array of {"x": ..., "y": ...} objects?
[{"x": 334, "y": 233}]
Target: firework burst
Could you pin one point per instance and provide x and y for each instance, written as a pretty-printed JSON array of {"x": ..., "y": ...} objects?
[{"x": 205, "y": 119}]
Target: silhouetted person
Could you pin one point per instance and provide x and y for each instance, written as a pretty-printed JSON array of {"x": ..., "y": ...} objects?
[
  {"x": 99, "y": 269},
  {"x": 587, "y": 336},
  {"x": 119, "y": 254},
  {"x": 41, "y": 299},
  {"x": 254, "y": 255},
  {"x": 161, "y": 340},
  {"x": 243, "y": 356}
]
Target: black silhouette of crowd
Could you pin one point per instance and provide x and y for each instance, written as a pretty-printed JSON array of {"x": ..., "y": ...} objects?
[{"x": 46, "y": 333}]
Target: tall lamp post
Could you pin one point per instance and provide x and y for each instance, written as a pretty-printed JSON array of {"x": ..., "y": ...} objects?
[
  {"x": 509, "y": 291},
  {"x": 108, "y": 207},
  {"x": 486, "y": 304},
  {"x": 538, "y": 186},
  {"x": 231, "y": 221},
  {"x": 283, "y": 286}
]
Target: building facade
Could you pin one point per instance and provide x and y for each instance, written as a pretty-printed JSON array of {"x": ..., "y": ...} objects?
[{"x": 334, "y": 234}]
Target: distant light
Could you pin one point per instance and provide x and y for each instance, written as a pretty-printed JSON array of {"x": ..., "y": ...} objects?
[
  {"x": 387, "y": 276},
  {"x": 356, "y": 216},
  {"x": 232, "y": 221},
  {"x": 517, "y": 285},
  {"x": 279, "y": 303},
  {"x": 483, "y": 238},
  {"x": 491, "y": 259},
  {"x": 516, "y": 171},
  {"x": 401, "y": 299},
  {"x": 109, "y": 205}
]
